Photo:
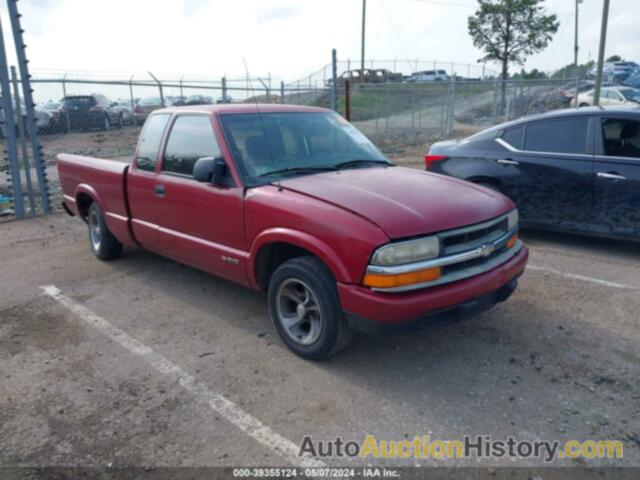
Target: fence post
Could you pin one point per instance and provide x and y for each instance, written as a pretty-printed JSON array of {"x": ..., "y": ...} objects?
[
  {"x": 11, "y": 145},
  {"x": 282, "y": 92},
  {"x": 452, "y": 111},
  {"x": 159, "y": 88},
  {"x": 67, "y": 122},
  {"x": 133, "y": 102},
  {"x": 224, "y": 89},
  {"x": 23, "y": 140},
  {"x": 27, "y": 95},
  {"x": 347, "y": 99},
  {"x": 334, "y": 80},
  {"x": 181, "y": 90}
]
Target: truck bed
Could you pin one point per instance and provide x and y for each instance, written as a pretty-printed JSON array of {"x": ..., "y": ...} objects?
[{"x": 84, "y": 178}]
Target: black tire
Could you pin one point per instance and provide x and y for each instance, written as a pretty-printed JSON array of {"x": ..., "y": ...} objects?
[
  {"x": 334, "y": 333},
  {"x": 103, "y": 244},
  {"x": 582, "y": 105}
]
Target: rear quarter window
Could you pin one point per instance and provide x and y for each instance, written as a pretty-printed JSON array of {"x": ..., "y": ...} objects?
[
  {"x": 514, "y": 137},
  {"x": 149, "y": 143}
]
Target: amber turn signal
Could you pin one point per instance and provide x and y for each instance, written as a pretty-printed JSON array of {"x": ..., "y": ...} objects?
[
  {"x": 512, "y": 241},
  {"x": 375, "y": 280}
]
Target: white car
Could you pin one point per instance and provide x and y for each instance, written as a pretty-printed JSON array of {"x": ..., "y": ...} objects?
[
  {"x": 428, "y": 76},
  {"x": 610, "y": 96}
]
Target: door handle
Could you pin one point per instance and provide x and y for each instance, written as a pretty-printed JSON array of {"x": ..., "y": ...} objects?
[
  {"x": 507, "y": 161},
  {"x": 611, "y": 176},
  {"x": 159, "y": 191}
]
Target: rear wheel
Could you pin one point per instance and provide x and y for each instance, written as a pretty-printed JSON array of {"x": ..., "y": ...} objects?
[
  {"x": 120, "y": 123},
  {"x": 305, "y": 309},
  {"x": 583, "y": 105},
  {"x": 103, "y": 244}
]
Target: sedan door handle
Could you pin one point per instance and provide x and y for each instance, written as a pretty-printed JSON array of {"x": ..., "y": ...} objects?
[
  {"x": 611, "y": 176},
  {"x": 506, "y": 161},
  {"x": 159, "y": 191}
]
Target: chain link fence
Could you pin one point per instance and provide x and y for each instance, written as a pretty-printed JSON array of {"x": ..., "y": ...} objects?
[{"x": 101, "y": 116}]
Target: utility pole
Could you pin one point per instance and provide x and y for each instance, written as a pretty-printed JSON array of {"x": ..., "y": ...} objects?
[
  {"x": 364, "y": 21},
  {"x": 576, "y": 48},
  {"x": 603, "y": 42}
]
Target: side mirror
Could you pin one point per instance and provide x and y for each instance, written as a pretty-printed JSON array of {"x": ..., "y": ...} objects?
[{"x": 210, "y": 170}]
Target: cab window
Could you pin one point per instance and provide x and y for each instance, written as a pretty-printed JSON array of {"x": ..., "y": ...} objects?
[
  {"x": 150, "y": 138},
  {"x": 191, "y": 138}
]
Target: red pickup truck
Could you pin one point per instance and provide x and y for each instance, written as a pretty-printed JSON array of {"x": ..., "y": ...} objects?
[{"x": 297, "y": 202}]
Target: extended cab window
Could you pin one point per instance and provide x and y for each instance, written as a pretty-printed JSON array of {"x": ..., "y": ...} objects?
[
  {"x": 567, "y": 135},
  {"x": 191, "y": 138},
  {"x": 150, "y": 139},
  {"x": 621, "y": 137}
]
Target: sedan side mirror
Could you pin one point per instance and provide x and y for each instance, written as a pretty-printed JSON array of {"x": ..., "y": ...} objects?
[{"x": 210, "y": 170}]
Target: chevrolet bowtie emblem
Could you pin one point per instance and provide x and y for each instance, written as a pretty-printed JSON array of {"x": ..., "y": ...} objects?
[{"x": 486, "y": 249}]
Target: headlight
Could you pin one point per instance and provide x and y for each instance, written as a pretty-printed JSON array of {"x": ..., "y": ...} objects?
[
  {"x": 407, "y": 252},
  {"x": 512, "y": 219}
]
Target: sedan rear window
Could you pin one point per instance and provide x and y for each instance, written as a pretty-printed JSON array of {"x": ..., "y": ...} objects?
[{"x": 567, "y": 135}]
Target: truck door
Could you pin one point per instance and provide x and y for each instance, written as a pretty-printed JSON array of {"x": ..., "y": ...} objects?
[
  {"x": 141, "y": 181},
  {"x": 617, "y": 176},
  {"x": 200, "y": 224}
]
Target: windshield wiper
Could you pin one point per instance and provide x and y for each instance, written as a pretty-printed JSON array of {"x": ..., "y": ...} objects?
[
  {"x": 353, "y": 163},
  {"x": 299, "y": 170}
]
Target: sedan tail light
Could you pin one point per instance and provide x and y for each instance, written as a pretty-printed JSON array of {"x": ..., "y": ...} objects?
[{"x": 429, "y": 159}]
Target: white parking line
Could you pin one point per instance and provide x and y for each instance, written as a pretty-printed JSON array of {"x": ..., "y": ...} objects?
[
  {"x": 573, "y": 276},
  {"x": 224, "y": 407}
]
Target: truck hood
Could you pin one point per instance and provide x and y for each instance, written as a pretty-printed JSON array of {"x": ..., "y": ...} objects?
[{"x": 403, "y": 202}]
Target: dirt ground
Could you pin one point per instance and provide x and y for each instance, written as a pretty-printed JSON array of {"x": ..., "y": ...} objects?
[{"x": 559, "y": 360}]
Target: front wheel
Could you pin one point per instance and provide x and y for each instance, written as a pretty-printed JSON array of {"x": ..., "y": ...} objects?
[
  {"x": 305, "y": 309},
  {"x": 103, "y": 244}
]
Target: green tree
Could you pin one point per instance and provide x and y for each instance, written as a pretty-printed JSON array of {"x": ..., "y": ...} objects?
[{"x": 508, "y": 31}]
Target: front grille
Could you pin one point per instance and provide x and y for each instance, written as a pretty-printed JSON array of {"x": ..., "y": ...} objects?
[{"x": 473, "y": 236}]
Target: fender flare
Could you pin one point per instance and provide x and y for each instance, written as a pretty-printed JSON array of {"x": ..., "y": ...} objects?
[
  {"x": 87, "y": 190},
  {"x": 300, "y": 239}
]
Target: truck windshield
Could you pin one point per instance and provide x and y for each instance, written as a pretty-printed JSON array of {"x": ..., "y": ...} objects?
[{"x": 270, "y": 146}]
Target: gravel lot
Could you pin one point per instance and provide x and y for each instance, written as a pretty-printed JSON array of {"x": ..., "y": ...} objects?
[{"x": 559, "y": 360}]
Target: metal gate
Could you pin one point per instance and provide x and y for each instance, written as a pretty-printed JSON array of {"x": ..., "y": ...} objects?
[{"x": 23, "y": 180}]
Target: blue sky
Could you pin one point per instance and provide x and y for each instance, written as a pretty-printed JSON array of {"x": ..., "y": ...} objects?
[{"x": 283, "y": 37}]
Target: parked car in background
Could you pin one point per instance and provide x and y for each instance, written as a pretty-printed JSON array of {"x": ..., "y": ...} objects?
[
  {"x": 199, "y": 100},
  {"x": 123, "y": 106},
  {"x": 368, "y": 75},
  {"x": 42, "y": 116},
  {"x": 144, "y": 107},
  {"x": 175, "y": 100},
  {"x": 570, "y": 90},
  {"x": 633, "y": 81},
  {"x": 615, "y": 71},
  {"x": 574, "y": 170},
  {"x": 610, "y": 96},
  {"x": 428, "y": 76},
  {"x": 296, "y": 202},
  {"x": 57, "y": 121},
  {"x": 86, "y": 112}
]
